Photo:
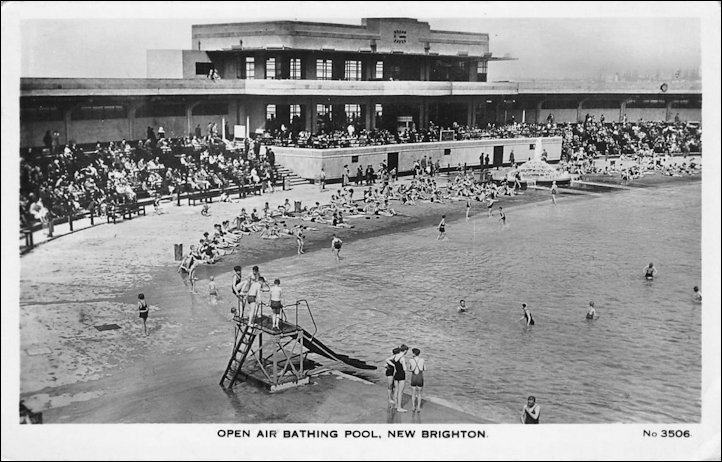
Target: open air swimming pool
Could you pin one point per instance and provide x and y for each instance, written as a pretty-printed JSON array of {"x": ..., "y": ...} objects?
[{"x": 639, "y": 362}]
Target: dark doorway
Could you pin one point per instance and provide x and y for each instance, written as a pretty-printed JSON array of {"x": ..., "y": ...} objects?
[
  {"x": 498, "y": 155},
  {"x": 392, "y": 161}
]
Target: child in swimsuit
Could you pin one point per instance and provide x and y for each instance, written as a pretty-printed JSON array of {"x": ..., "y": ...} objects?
[{"x": 143, "y": 311}]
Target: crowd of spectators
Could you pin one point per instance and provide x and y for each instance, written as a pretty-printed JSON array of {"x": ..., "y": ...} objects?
[
  {"x": 71, "y": 180},
  {"x": 99, "y": 179}
]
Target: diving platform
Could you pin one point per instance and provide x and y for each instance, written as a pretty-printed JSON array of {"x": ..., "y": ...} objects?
[{"x": 276, "y": 358}]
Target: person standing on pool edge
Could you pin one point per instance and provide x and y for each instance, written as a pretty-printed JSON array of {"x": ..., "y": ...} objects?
[
  {"x": 417, "y": 366},
  {"x": 530, "y": 412}
]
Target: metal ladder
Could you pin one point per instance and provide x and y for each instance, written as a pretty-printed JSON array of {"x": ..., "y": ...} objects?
[{"x": 240, "y": 352}]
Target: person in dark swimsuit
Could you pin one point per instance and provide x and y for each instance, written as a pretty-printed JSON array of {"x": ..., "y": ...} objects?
[
  {"x": 650, "y": 272},
  {"x": 502, "y": 216},
  {"x": 530, "y": 412},
  {"x": 390, "y": 369},
  {"x": 143, "y": 311},
  {"x": 527, "y": 315},
  {"x": 400, "y": 375},
  {"x": 417, "y": 366},
  {"x": 442, "y": 228},
  {"x": 591, "y": 313}
]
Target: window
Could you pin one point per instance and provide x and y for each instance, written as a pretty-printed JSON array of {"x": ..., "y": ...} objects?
[
  {"x": 98, "y": 112},
  {"x": 203, "y": 68},
  {"x": 211, "y": 109},
  {"x": 294, "y": 111},
  {"x": 324, "y": 68},
  {"x": 353, "y": 112},
  {"x": 250, "y": 68},
  {"x": 352, "y": 70},
  {"x": 481, "y": 71},
  {"x": 295, "y": 69},
  {"x": 323, "y": 110},
  {"x": 270, "y": 111},
  {"x": 447, "y": 152},
  {"x": 354, "y": 159},
  {"x": 379, "y": 110},
  {"x": 161, "y": 110},
  {"x": 40, "y": 114},
  {"x": 379, "y": 70},
  {"x": 271, "y": 68}
]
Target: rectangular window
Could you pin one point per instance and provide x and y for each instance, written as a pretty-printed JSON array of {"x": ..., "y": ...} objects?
[
  {"x": 379, "y": 70},
  {"x": 203, "y": 68},
  {"x": 354, "y": 159},
  {"x": 40, "y": 114},
  {"x": 271, "y": 68},
  {"x": 250, "y": 68},
  {"x": 295, "y": 69},
  {"x": 323, "y": 109},
  {"x": 481, "y": 71},
  {"x": 353, "y": 112},
  {"x": 447, "y": 152},
  {"x": 161, "y": 110},
  {"x": 211, "y": 109},
  {"x": 352, "y": 70},
  {"x": 294, "y": 111},
  {"x": 98, "y": 112},
  {"x": 270, "y": 111},
  {"x": 324, "y": 69}
]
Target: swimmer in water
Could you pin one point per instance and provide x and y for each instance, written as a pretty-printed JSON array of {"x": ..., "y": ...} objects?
[
  {"x": 697, "y": 294},
  {"x": 527, "y": 315},
  {"x": 502, "y": 216},
  {"x": 462, "y": 306},
  {"x": 442, "y": 228},
  {"x": 650, "y": 271},
  {"x": 530, "y": 412},
  {"x": 591, "y": 313}
]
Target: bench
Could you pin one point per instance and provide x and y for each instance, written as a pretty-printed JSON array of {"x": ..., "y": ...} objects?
[
  {"x": 128, "y": 210},
  {"x": 204, "y": 195},
  {"x": 113, "y": 213},
  {"x": 28, "y": 235}
]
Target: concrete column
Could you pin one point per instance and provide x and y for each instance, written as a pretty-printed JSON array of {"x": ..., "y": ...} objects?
[
  {"x": 132, "y": 108},
  {"x": 472, "y": 71},
  {"x": 309, "y": 65},
  {"x": 422, "y": 115},
  {"x": 668, "y": 113},
  {"x": 538, "y": 111},
  {"x": 189, "y": 115},
  {"x": 370, "y": 114},
  {"x": 68, "y": 124},
  {"x": 242, "y": 115},
  {"x": 623, "y": 108},
  {"x": 471, "y": 117},
  {"x": 579, "y": 109},
  {"x": 312, "y": 120},
  {"x": 259, "y": 65}
]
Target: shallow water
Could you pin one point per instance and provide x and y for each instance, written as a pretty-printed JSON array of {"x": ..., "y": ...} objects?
[{"x": 639, "y": 362}]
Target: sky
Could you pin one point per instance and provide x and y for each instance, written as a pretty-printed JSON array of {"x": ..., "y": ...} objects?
[{"x": 550, "y": 42}]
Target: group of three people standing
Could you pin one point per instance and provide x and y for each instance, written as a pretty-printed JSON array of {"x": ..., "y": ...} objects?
[{"x": 396, "y": 367}]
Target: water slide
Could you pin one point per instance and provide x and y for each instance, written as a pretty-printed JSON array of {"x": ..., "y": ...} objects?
[{"x": 314, "y": 345}]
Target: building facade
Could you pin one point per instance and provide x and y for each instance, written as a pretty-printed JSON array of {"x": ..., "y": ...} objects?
[{"x": 384, "y": 73}]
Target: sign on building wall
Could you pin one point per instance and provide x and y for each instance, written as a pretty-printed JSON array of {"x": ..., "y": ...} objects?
[{"x": 239, "y": 131}]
